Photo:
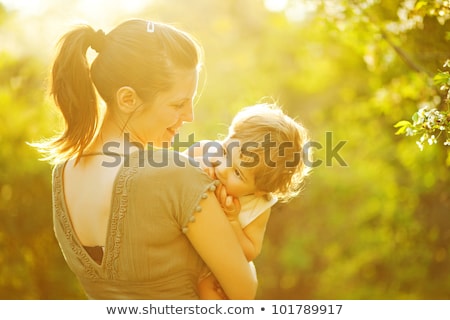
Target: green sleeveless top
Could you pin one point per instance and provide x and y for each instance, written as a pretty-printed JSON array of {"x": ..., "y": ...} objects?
[{"x": 146, "y": 254}]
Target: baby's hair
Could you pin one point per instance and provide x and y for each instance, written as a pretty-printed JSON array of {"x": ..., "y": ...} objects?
[
  {"x": 137, "y": 53},
  {"x": 284, "y": 176}
]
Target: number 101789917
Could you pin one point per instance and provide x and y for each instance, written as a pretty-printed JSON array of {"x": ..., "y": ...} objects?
[{"x": 306, "y": 308}]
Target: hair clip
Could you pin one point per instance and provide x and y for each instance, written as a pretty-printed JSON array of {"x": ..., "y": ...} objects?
[{"x": 150, "y": 26}]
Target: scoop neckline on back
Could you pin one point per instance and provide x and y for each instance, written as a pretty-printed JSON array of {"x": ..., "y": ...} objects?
[{"x": 69, "y": 217}]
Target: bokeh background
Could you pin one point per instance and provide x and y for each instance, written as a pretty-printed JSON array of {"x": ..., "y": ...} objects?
[{"x": 373, "y": 221}]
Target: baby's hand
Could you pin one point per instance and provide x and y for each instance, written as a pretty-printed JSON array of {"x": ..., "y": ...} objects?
[
  {"x": 210, "y": 172},
  {"x": 230, "y": 205},
  {"x": 232, "y": 208},
  {"x": 209, "y": 167}
]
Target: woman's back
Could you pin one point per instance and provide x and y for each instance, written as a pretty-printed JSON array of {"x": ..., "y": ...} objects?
[
  {"x": 149, "y": 207},
  {"x": 88, "y": 190}
]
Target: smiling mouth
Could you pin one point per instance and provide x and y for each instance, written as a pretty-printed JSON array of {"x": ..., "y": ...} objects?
[{"x": 173, "y": 131}]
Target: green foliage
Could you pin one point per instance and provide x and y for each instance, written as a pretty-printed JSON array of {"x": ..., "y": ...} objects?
[
  {"x": 432, "y": 120},
  {"x": 428, "y": 124},
  {"x": 31, "y": 266}
]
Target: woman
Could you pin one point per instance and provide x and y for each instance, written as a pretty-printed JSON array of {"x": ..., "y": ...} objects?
[{"x": 135, "y": 230}]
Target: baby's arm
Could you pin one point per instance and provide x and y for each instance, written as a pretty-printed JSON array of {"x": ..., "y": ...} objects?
[
  {"x": 251, "y": 237},
  {"x": 210, "y": 149},
  {"x": 195, "y": 150}
]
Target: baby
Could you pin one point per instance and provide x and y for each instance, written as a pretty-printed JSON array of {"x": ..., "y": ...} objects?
[{"x": 260, "y": 162}]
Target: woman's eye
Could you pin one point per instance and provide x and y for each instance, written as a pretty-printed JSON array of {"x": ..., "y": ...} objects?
[
  {"x": 224, "y": 151},
  {"x": 237, "y": 173},
  {"x": 179, "y": 105}
]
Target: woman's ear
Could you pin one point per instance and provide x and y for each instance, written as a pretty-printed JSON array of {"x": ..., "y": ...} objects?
[{"x": 127, "y": 99}]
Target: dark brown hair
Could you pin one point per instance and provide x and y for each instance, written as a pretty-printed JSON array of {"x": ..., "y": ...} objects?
[{"x": 137, "y": 53}]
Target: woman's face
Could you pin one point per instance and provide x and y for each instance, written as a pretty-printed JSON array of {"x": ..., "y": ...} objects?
[{"x": 157, "y": 122}]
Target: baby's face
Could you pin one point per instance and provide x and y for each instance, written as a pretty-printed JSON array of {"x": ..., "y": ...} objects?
[{"x": 237, "y": 179}]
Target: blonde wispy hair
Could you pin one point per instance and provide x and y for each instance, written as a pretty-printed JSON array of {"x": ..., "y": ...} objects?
[{"x": 287, "y": 169}]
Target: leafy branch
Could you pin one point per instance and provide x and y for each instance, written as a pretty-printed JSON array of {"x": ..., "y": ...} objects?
[{"x": 430, "y": 123}]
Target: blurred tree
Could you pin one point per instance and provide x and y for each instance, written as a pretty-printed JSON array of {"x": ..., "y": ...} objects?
[
  {"x": 372, "y": 224},
  {"x": 371, "y": 238},
  {"x": 31, "y": 266}
]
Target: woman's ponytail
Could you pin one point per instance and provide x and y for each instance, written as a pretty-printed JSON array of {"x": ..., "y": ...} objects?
[{"x": 74, "y": 94}]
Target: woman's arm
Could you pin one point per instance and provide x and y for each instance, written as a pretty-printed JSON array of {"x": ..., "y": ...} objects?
[{"x": 214, "y": 239}]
